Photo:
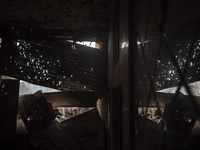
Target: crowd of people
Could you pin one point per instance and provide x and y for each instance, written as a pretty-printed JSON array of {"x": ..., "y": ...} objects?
[
  {"x": 150, "y": 113},
  {"x": 68, "y": 112}
]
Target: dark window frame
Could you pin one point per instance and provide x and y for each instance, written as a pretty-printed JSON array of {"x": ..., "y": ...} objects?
[{"x": 117, "y": 112}]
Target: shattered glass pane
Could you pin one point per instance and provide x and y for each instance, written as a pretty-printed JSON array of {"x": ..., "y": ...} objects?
[{"x": 54, "y": 64}]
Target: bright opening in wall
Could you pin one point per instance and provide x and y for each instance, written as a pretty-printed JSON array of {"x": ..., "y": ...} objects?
[
  {"x": 28, "y": 88},
  {"x": 0, "y": 42},
  {"x": 96, "y": 45},
  {"x": 89, "y": 44}
]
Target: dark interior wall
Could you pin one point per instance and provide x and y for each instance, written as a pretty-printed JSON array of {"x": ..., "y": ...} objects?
[
  {"x": 118, "y": 69},
  {"x": 9, "y": 100}
]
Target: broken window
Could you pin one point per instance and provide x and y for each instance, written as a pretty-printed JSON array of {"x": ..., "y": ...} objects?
[
  {"x": 167, "y": 75},
  {"x": 53, "y": 64}
]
